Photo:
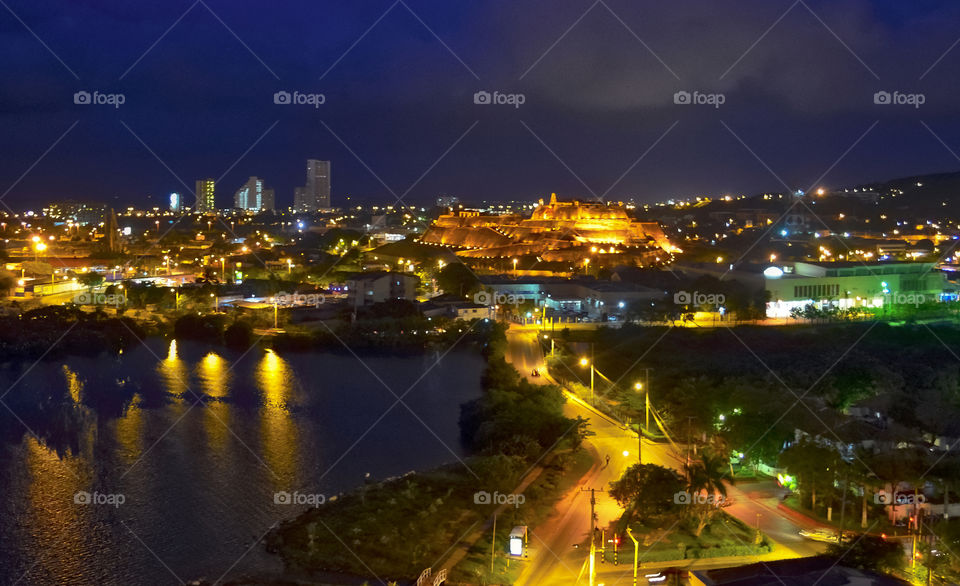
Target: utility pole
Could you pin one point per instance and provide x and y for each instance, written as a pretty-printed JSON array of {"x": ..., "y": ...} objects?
[
  {"x": 593, "y": 528},
  {"x": 593, "y": 367},
  {"x": 493, "y": 544},
  {"x": 646, "y": 410},
  {"x": 636, "y": 548}
]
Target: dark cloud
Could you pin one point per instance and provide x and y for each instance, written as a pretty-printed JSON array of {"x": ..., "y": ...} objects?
[{"x": 400, "y": 98}]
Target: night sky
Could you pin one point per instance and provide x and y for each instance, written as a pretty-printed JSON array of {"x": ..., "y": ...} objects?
[{"x": 598, "y": 79}]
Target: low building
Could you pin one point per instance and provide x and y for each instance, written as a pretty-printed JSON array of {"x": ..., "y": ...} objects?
[
  {"x": 853, "y": 284},
  {"x": 380, "y": 286}
]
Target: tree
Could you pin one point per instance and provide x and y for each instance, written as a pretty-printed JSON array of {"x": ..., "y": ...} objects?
[
  {"x": 90, "y": 279},
  {"x": 870, "y": 553},
  {"x": 705, "y": 475},
  {"x": 457, "y": 279},
  {"x": 647, "y": 489},
  {"x": 814, "y": 466}
]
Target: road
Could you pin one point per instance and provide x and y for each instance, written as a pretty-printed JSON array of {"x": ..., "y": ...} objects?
[{"x": 554, "y": 557}]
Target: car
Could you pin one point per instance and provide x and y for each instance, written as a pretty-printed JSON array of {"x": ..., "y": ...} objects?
[{"x": 824, "y": 534}]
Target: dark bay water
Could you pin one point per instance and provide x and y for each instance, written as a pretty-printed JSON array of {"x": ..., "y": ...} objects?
[{"x": 199, "y": 480}]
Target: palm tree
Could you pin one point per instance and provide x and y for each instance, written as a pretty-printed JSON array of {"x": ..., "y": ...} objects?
[{"x": 706, "y": 474}]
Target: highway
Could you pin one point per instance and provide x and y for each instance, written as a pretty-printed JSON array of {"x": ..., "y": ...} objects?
[{"x": 554, "y": 557}]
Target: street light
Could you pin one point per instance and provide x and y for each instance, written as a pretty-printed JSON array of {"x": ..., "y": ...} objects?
[
  {"x": 514, "y": 267},
  {"x": 636, "y": 550},
  {"x": 585, "y": 362}
]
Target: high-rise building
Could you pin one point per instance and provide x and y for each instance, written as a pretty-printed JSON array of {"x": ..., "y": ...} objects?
[
  {"x": 298, "y": 203},
  {"x": 315, "y": 195},
  {"x": 176, "y": 202},
  {"x": 250, "y": 195},
  {"x": 269, "y": 202},
  {"x": 205, "y": 197}
]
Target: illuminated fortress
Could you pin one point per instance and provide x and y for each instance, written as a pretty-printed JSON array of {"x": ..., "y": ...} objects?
[{"x": 555, "y": 231}]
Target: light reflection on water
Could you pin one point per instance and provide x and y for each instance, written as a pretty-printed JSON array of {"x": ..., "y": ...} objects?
[{"x": 199, "y": 477}]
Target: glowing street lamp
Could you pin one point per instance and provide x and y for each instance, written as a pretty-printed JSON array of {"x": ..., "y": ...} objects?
[
  {"x": 584, "y": 362},
  {"x": 514, "y": 267}
]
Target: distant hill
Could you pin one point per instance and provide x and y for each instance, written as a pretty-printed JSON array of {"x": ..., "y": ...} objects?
[{"x": 921, "y": 194}]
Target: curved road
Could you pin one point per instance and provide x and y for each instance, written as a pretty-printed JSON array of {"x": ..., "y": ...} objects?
[{"x": 554, "y": 555}]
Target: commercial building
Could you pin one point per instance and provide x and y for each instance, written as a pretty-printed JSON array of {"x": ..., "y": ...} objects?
[
  {"x": 852, "y": 284},
  {"x": 380, "y": 286},
  {"x": 205, "y": 195},
  {"x": 250, "y": 196},
  {"x": 269, "y": 202},
  {"x": 315, "y": 195}
]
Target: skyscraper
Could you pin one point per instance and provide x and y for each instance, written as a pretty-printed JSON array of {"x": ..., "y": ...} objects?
[
  {"x": 205, "y": 197},
  {"x": 176, "y": 202},
  {"x": 315, "y": 195},
  {"x": 298, "y": 203},
  {"x": 269, "y": 202},
  {"x": 250, "y": 195},
  {"x": 318, "y": 183}
]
